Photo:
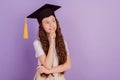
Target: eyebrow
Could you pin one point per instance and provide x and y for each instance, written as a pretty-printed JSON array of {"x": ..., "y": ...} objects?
[
  {"x": 45, "y": 20},
  {"x": 53, "y": 18}
]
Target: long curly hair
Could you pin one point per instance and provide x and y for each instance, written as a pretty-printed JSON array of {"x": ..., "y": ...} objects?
[{"x": 59, "y": 45}]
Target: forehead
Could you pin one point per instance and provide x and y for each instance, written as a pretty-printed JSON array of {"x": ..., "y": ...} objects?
[{"x": 48, "y": 18}]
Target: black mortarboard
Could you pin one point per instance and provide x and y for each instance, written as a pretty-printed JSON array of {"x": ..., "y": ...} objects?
[{"x": 44, "y": 11}]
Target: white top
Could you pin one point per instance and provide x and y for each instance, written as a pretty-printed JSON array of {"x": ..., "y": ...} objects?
[{"x": 39, "y": 51}]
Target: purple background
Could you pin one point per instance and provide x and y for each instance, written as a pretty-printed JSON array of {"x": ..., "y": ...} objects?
[{"x": 91, "y": 28}]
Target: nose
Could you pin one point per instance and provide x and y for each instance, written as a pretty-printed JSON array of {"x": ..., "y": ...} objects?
[{"x": 50, "y": 24}]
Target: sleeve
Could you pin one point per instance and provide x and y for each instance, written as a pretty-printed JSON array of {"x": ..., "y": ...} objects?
[
  {"x": 66, "y": 45},
  {"x": 38, "y": 48}
]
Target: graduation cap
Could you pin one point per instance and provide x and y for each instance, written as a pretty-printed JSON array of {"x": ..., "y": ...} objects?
[{"x": 44, "y": 11}]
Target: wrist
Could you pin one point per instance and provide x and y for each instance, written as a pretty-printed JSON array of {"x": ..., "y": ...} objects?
[{"x": 52, "y": 43}]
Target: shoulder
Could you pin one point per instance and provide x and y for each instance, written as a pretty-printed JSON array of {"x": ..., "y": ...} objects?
[{"x": 36, "y": 42}]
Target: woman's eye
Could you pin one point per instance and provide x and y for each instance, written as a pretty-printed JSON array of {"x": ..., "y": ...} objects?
[
  {"x": 53, "y": 20},
  {"x": 47, "y": 22}
]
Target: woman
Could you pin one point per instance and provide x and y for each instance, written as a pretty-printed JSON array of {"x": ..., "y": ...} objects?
[{"x": 50, "y": 48}]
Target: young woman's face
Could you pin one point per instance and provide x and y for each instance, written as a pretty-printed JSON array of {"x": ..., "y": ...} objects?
[{"x": 49, "y": 24}]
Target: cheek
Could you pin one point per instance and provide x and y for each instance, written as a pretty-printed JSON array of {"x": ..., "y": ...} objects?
[
  {"x": 45, "y": 27},
  {"x": 55, "y": 28},
  {"x": 55, "y": 25}
]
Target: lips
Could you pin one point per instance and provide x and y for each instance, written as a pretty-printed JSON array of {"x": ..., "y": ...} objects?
[{"x": 52, "y": 29}]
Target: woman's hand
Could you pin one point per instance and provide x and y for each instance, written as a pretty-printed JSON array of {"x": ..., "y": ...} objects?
[
  {"x": 42, "y": 69},
  {"x": 52, "y": 37}
]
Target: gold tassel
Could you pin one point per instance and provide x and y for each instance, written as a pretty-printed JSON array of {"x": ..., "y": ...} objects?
[{"x": 25, "y": 35}]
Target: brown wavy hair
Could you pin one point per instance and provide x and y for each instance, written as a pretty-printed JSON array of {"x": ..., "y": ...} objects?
[{"x": 59, "y": 45}]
